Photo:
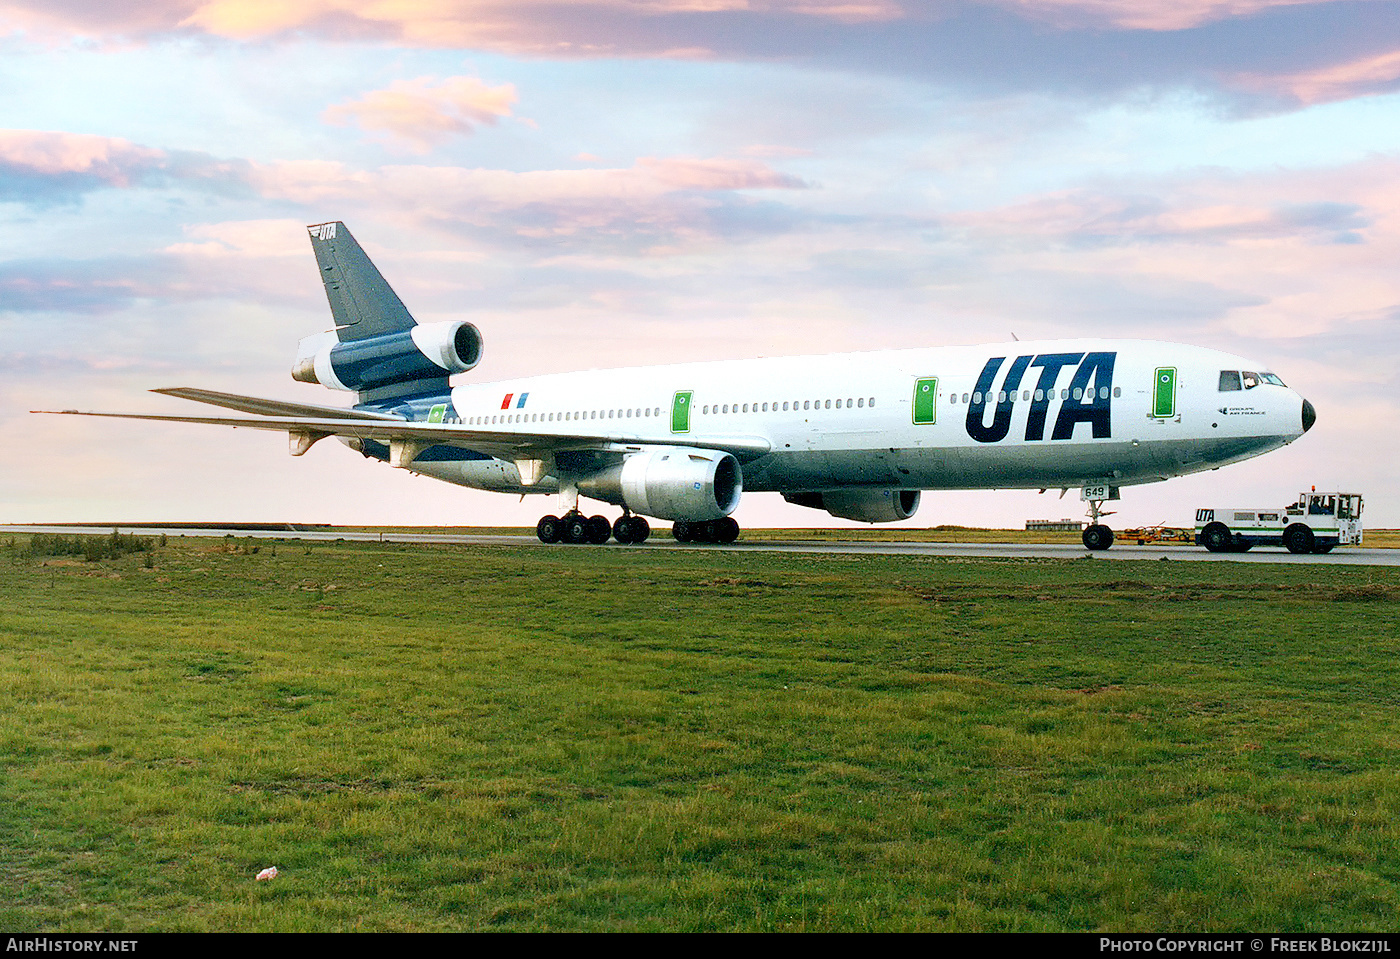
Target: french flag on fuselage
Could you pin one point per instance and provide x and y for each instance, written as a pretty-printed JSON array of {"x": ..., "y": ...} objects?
[{"x": 519, "y": 402}]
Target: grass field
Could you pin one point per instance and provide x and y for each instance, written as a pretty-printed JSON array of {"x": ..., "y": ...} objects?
[{"x": 436, "y": 738}]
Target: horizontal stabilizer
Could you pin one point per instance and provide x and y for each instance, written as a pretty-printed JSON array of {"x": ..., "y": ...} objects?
[{"x": 264, "y": 407}]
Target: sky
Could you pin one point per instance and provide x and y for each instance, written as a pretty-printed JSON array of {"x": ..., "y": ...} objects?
[{"x": 601, "y": 183}]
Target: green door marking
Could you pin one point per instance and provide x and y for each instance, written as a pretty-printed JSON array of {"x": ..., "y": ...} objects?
[
  {"x": 680, "y": 412},
  {"x": 1164, "y": 392},
  {"x": 436, "y": 414},
  {"x": 926, "y": 400}
]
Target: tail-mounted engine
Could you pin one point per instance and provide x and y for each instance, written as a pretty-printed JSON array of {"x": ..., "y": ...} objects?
[
  {"x": 863, "y": 506},
  {"x": 672, "y": 482},
  {"x": 430, "y": 351}
]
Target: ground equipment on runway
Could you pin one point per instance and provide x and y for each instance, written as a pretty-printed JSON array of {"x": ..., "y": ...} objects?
[
  {"x": 1314, "y": 524},
  {"x": 1146, "y": 535}
]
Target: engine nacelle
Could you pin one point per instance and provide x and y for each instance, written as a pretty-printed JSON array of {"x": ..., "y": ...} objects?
[
  {"x": 863, "y": 506},
  {"x": 672, "y": 482},
  {"x": 423, "y": 352}
]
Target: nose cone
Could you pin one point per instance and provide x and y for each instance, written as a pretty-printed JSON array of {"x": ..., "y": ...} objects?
[{"x": 1309, "y": 416}]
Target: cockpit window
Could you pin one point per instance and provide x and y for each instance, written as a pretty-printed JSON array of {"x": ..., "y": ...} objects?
[
  {"x": 1229, "y": 380},
  {"x": 1271, "y": 379},
  {"x": 1251, "y": 380}
]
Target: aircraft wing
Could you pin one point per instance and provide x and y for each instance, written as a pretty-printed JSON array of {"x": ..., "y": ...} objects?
[
  {"x": 256, "y": 404},
  {"x": 405, "y": 440}
]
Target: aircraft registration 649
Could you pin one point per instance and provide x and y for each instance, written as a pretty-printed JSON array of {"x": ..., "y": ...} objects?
[{"x": 858, "y": 435}]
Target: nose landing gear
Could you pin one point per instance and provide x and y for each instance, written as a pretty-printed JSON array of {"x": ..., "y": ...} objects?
[{"x": 1097, "y": 536}]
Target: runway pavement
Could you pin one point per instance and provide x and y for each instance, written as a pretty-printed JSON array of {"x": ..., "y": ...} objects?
[{"x": 661, "y": 539}]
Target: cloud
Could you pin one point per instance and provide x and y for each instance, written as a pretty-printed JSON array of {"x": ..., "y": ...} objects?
[
  {"x": 1366, "y": 76},
  {"x": 1087, "y": 217},
  {"x": 491, "y": 22},
  {"x": 499, "y": 24},
  {"x": 243, "y": 238},
  {"x": 1290, "y": 253},
  {"x": 1274, "y": 53},
  {"x": 42, "y": 167},
  {"x": 420, "y": 113},
  {"x": 658, "y": 200},
  {"x": 40, "y": 286},
  {"x": 1136, "y": 15}
]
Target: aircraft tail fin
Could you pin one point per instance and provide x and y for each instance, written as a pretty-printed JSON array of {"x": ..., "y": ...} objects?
[{"x": 362, "y": 302}]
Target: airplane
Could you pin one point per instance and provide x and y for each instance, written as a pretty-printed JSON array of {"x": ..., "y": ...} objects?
[{"x": 858, "y": 435}]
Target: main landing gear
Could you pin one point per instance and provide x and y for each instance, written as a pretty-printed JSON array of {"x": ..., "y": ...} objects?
[
  {"x": 573, "y": 528},
  {"x": 721, "y": 531}
]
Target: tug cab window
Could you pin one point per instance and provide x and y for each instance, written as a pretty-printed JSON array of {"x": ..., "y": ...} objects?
[
  {"x": 1320, "y": 505},
  {"x": 1229, "y": 381}
]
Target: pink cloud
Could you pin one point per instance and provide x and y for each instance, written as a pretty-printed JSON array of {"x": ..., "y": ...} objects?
[
  {"x": 1212, "y": 210},
  {"x": 50, "y": 154},
  {"x": 542, "y": 25},
  {"x": 512, "y": 25},
  {"x": 650, "y": 177},
  {"x": 243, "y": 238},
  {"x": 1092, "y": 43},
  {"x": 1367, "y": 75},
  {"x": 1289, "y": 254},
  {"x": 670, "y": 196},
  {"x": 420, "y": 113},
  {"x": 1136, "y": 15},
  {"x": 687, "y": 173}
]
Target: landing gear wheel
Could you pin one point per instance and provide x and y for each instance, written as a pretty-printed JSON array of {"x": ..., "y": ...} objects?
[
  {"x": 1299, "y": 538},
  {"x": 1098, "y": 537},
  {"x": 550, "y": 529},
  {"x": 599, "y": 530},
  {"x": 575, "y": 528},
  {"x": 702, "y": 532},
  {"x": 631, "y": 529},
  {"x": 726, "y": 530},
  {"x": 1216, "y": 538}
]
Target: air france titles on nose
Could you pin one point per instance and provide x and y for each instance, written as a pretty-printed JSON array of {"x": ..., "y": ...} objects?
[{"x": 1085, "y": 400}]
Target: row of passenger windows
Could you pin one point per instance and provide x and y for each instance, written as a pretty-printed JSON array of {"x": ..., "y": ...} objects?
[
  {"x": 1002, "y": 395},
  {"x": 1234, "y": 380},
  {"x": 502, "y": 419},
  {"x": 795, "y": 405},
  {"x": 786, "y": 406}
]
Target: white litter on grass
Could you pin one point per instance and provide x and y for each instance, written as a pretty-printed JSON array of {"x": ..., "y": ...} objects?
[{"x": 269, "y": 873}]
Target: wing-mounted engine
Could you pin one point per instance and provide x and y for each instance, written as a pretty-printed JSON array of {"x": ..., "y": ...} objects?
[
  {"x": 863, "y": 506},
  {"x": 424, "y": 352},
  {"x": 671, "y": 482}
]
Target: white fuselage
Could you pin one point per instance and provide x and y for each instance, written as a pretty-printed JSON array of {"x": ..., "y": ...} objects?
[{"x": 1062, "y": 413}]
